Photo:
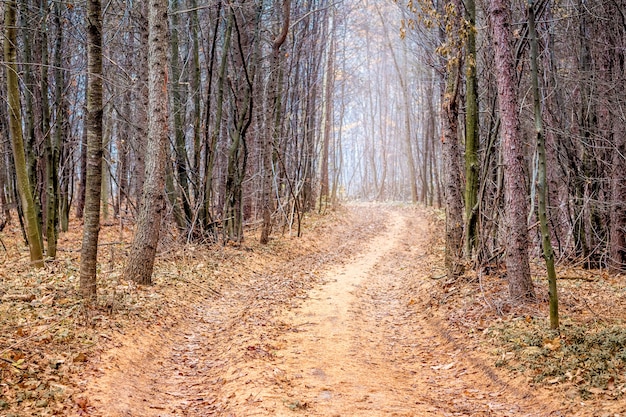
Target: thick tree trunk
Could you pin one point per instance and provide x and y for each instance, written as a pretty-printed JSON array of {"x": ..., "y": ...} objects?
[
  {"x": 140, "y": 262},
  {"x": 515, "y": 193},
  {"x": 89, "y": 251},
  {"x": 453, "y": 193},
  {"x": 17, "y": 141}
]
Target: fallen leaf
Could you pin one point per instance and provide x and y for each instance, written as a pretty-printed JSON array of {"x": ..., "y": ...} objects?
[
  {"x": 80, "y": 358},
  {"x": 82, "y": 403},
  {"x": 610, "y": 384},
  {"x": 553, "y": 345}
]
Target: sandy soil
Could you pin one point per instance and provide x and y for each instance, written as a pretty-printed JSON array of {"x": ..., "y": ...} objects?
[{"x": 357, "y": 338}]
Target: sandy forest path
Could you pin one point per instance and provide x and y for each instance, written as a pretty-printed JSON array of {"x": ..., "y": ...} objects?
[{"x": 360, "y": 342}]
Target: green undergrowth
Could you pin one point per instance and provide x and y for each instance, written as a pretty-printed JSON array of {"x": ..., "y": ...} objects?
[{"x": 592, "y": 357}]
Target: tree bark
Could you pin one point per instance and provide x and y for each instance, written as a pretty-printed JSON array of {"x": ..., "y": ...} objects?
[
  {"x": 471, "y": 134},
  {"x": 30, "y": 83},
  {"x": 82, "y": 182},
  {"x": 141, "y": 259},
  {"x": 60, "y": 184},
  {"x": 17, "y": 140},
  {"x": 89, "y": 251},
  {"x": 542, "y": 184},
  {"x": 453, "y": 193},
  {"x": 515, "y": 193}
]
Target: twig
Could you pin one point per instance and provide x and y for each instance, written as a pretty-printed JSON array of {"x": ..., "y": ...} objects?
[{"x": 590, "y": 309}]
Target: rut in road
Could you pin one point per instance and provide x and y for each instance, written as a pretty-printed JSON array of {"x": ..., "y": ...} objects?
[{"x": 361, "y": 344}]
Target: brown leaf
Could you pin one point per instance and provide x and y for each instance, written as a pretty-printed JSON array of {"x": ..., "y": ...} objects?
[
  {"x": 553, "y": 345},
  {"x": 82, "y": 403},
  {"x": 610, "y": 384},
  {"x": 80, "y": 358}
]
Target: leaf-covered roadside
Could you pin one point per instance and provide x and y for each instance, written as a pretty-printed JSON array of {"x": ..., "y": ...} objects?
[
  {"x": 584, "y": 361},
  {"x": 591, "y": 357},
  {"x": 42, "y": 340},
  {"x": 46, "y": 338}
]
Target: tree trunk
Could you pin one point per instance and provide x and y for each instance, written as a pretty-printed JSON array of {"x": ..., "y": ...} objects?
[
  {"x": 272, "y": 123},
  {"x": 178, "y": 111},
  {"x": 327, "y": 112},
  {"x": 93, "y": 126},
  {"x": 60, "y": 185},
  {"x": 51, "y": 175},
  {"x": 518, "y": 268},
  {"x": 453, "y": 194},
  {"x": 211, "y": 145},
  {"x": 17, "y": 141},
  {"x": 248, "y": 47},
  {"x": 140, "y": 262},
  {"x": 30, "y": 137},
  {"x": 542, "y": 185},
  {"x": 471, "y": 134},
  {"x": 196, "y": 87},
  {"x": 82, "y": 182}
]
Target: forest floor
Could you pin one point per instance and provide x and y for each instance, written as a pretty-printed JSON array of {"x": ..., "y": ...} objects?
[{"x": 355, "y": 318}]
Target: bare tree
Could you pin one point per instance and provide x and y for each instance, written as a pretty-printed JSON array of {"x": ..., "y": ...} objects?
[
  {"x": 542, "y": 185},
  {"x": 17, "y": 141},
  {"x": 93, "y": 125},
  {"x": 140, "y": 263},
  {"x": 515, "y": 192}
]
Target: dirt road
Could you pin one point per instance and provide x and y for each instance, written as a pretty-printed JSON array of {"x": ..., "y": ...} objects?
[{"x": 360, "y": 342}]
